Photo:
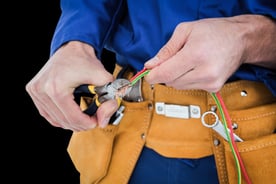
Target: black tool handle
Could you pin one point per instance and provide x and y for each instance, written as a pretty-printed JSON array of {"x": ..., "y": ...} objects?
[
  {"x": 91, "y": 109},
  {"x": 83, "y": 91}
]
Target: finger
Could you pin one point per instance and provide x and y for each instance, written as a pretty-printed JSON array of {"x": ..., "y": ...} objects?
[
  {"x": 42, "y": 109},
  {"x": 174, "y": 44},
  {"x": 97, "y": 69},
  {"x": 173, "y": 68},
  {"x": 198, "y": 79},
  {"x": 42, "y": 103},
  {"x": 105, "y": 111},
  {"x": 74, "y": 118},
  {"x": 60, "y": 110}
]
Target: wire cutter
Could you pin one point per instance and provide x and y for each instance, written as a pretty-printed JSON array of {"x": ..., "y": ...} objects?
[{"x": 90, "y": 97}]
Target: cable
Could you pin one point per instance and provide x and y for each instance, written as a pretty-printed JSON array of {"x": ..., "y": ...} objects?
[
  {"x": 228, "y": 137},
  {"x": 138, "y": 76},
  {"x": 225, "y": 118},
  {"x": 227, "y": 121}
]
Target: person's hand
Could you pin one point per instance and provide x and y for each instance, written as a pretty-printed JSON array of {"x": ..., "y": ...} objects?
[
  {"x": 52, "y": 88},
  {"x": 199, "y": 55}
]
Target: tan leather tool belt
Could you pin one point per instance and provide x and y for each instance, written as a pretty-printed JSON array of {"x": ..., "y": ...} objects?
[{"x": 109, "y": 155}]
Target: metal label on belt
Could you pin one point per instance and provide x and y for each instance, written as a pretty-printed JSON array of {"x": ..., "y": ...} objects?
[{"x": 177, "y": 111}]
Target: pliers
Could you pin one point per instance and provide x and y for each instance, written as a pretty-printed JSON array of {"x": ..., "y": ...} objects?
[{"x": 90, "y": 97}]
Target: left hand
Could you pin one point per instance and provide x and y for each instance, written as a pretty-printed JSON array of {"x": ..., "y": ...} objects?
[{"x": 200, "y": 55}]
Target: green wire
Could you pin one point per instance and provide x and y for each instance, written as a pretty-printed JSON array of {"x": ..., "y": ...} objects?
[
  {"x": 223, "y": 120},
  {"x": 139, "y": 77},
  {"x": 228, "y": 136}
]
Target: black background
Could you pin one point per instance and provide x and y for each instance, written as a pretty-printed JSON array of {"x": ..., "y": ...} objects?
[{"x": 32, "y": 151}]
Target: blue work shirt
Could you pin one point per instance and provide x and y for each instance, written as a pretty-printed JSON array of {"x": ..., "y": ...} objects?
[{"x": 136, "y": 30}]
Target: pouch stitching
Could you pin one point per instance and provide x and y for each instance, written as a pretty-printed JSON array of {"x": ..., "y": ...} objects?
[
  {"x": 239, "y": 85},
  {"x": 108, "y": 158},
  {"x": 108, "y": 130},
  {"x": 255, "y": 117},
  {"x": 256, "y": 147},
  {"x": 132, "y": 161},
  {"x": 183, "y": 92},
  {"x": 221, "y": 165}
]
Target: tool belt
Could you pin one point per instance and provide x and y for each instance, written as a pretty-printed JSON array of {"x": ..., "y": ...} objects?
[{"x": 108, "y": 155}]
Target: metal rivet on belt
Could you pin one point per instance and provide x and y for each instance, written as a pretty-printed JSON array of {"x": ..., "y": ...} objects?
[
  {"x": 243, "y": 93},
  {"x": 143, "y": 136},
  {"x": 195, "y": 111},
  {"x": 160, "y": 109},
  {"x": 214, "y": 108},
  {"x": 216, "y": 142},
  {"x": 150, "y": 106},
  {"x": 234, "y": 126}
]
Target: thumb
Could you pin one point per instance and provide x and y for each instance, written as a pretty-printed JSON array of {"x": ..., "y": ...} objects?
[
  {"x": 105, "y": 111},
  {"x": 174, "y": 44}
]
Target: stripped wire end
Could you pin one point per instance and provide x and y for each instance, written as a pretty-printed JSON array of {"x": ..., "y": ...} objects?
[{"x": 138, "y": 76}]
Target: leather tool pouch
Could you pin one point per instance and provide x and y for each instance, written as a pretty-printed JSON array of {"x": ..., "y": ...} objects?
[
  {"x": 91, "y": 151},
  {"x": 258, "y": 157},
  {"x": 255, "y": 116},
  {"x": 108, "y": 155}
]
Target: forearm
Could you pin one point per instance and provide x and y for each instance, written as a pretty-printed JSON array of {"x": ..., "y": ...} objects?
[{"x": 258, "y": 36}]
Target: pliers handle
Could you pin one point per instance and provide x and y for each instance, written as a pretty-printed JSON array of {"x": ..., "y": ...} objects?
[
  {"x": 87, "y": 98},
  {"x": 90, "y": 97}
]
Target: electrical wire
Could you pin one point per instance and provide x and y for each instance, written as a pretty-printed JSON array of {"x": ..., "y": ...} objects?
[
  {"x": 228, "y": 137},
  {"x": 227, "y": 126},
  {"x": 227, "y": 122},
  {"x": 138, "y": 76}
]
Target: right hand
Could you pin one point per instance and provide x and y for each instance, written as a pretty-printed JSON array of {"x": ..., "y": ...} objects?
[{"x": 52, "y": 87}]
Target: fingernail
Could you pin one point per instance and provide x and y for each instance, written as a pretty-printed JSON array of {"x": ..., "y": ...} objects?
[
  {"x": 93, "y": 126},
  {"x": 104, "y": 123},
  {"x": 152, "y": 61}
]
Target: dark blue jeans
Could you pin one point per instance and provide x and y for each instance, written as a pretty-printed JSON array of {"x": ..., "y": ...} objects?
[{"x": 153, "y": 168}]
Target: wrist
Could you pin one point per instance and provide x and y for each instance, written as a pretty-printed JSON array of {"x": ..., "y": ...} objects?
[
  {"x": 80, "y": 48},
  {"x": 258, "y": 37}
]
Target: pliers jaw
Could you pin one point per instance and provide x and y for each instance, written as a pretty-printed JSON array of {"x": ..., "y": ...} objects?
[
  {"x": 113, "y": 90},
  {"x": 96, "y": 95}
]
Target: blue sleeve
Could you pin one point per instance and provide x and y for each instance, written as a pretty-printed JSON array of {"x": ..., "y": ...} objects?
[
  {"x": 85, "y": 20},
  {"x": 252, "y": 72},
  {"x": 262, "y": 7}
]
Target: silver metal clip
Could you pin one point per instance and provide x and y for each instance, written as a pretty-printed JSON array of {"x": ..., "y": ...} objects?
[
  {"x": 118, "y": 115},
  {"x": 218, "y": 126},
  {"x": 177, "y": 111}
]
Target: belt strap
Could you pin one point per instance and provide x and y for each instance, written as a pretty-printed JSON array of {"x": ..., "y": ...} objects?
[{"x": 116, "y": 149}]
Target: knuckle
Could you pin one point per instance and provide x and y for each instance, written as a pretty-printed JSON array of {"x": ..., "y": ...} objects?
[
  {"x": 165, "y": 52},
  {"x": 180, "y": 27},
  {"x": 214, "y": 86},
  {"x": 167, "y": 77}
]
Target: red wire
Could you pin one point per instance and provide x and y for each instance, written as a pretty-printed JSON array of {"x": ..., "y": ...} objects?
[
  {"x": 137, "y": 74},
  {"x": 232, "y": 138},
  {"x": 229, "y": 126}
]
